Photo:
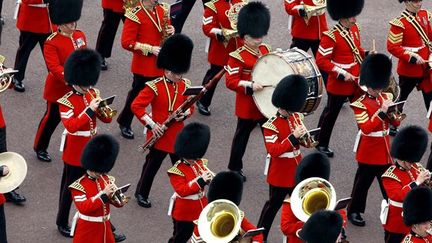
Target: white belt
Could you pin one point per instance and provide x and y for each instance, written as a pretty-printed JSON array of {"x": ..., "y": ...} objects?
[
  {"x": 344, "y": 66},
  {"x": 413, "y": 49},
  {"x": 394, "y": 203},
  {"x": 99, "y": 219},
  {"x": 378, "y": 134},
  {"x": 196, "y": 196},
  {"x": 39, "y": 5},
  {"x": 290, "y": 155},
  {"x": 83, "y": 133}
]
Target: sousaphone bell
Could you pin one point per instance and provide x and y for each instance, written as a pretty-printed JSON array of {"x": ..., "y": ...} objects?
[{"x": 17, "y": 171}]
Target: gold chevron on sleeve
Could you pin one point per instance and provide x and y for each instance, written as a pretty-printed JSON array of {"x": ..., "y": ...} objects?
[
  {"x": 362, "y": 117},
  {"x": 395, "y": 38}
]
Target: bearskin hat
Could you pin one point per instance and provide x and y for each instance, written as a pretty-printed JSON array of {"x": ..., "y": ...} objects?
[
  {"x": 100, "y": 153},
  {"x": 409, "y": 144},
  {"x": 192, "y": 141},
  {"x": 175, "y": 54},
  {"x": 226, "y": 185},
  {"x": 65, "y": 11},
  {"x": 375, "y": 71},
  {"x": 322, "y": 227},
  {"x": 290, "y": 93},
  {"x": 313, "y": 165},
  {"x": 417, "y": 206},
  {"x": 342, "y": 9},
  {"x": 253, "y": 20},
  {"x": 83, "y": 67}
]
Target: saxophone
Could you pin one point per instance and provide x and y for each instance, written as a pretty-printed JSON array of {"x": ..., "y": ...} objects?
[{"x": 165, "y": 21}]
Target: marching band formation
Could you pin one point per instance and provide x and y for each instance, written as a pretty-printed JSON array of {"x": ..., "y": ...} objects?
[{"x": 274, "y": 89}]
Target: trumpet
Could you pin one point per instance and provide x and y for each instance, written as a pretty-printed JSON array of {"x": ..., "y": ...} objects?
[
  {"x": 313, "y": 10},
  {"x": 306, "y": 140},
  {"x": 396, "y": 115},
  {"x": 118, "y": 197},
  {"x": 420, "y": 169},
  {"x": 104, "y": 110},
  {"x": 202, "y": 169}
]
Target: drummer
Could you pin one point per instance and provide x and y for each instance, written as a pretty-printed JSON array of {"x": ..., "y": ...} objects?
[
  {"x": 282, "y": 133},
  {"x": 253, "y": 24}
]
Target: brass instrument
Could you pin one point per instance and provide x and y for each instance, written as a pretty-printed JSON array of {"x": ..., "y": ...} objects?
[
  {"x": 128, "y": 4},
  {"x": 311, "y": 195},
  {"x": 6, "y": 75},
  {"x": 219, "y": 221},
  {"x": 232, "y": 15},
  {"x": 165, "y": 21},
  {"x": 118, "y": 197},
  {"x": 306, "y": 140},
  {"x": 17, "y": 171},
  {"x": 316, "y": 10},
  {"x": 396, "y": 115},
  {"x": 104, "y": 110},
  {"x": 420, "y": 169}
]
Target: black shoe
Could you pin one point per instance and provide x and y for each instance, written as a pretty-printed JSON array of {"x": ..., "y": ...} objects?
[
  {"x": 325, "y": 150},
  {"x": 119, "y": 237},
  {"x": 2, "y": 21},
  {"x": 18, "y": 85},
  {"x": 64, "y": 230},
  {"x": 14, "y": 198},
  {"x": 356, "y": 219},
  {"x": 126, "y": 132},
  {"x": 43, "y": 155},
  {"x": 203, "y": 110},
  {"x": 240, "y": 172},
  {"x": 143, "y": 202},
  {"x": 393, "y": 131},
  {"x": 104, "y": 64}
]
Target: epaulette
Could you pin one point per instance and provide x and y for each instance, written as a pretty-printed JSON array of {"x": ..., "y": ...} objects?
[
  {"x": 397, "y": 22},
  {"x": 211, "y": 5},
  {"x": 174, "y": 170},
  {"x": 269, "y": 124},
  {"x": 204, "y": 161},
  {"x": 330, "y": 33},
  {"x": 77, "y": 185},
  {"x": 187, "y": 82},
  {"x": 52, "y": 35},
  {"x": 358, "y": 103},
  {"x": 388, "y": 95},
  {"x": 407, "y": 239},
  {"x": 152, "y": 84},
  {"x": 236, "y": 54},
  {"x": 358, "y": 27},
  {"x": 64, "y": 100},
  {"x": 111, "y": 178},
  {"x": 267, "y": 46},
  {"x": 389, "y": 173},
  {"x": 131, "y": 14}
]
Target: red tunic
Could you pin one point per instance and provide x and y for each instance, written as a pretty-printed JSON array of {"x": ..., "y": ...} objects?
[
  {"x": 2, "y": 120},
  {"x": 143, "y": 26},
  {"x": 80, "y": 124},
  {"x": 33, "y": 17},
  {"x": 155, "y": 94},
  {"x": 414, "y": 238},
  {"x": 239, "y": 68},
  {"x": 190, "y": 197},
  {"x": 245, "y": 226},
  {"x": 374, "y": 145},
  {"x": 215, "y": 19},
  {"x": 57, "y": 49},
  {"x": 86, "y": 193},
  {"x": 300, "y": 29},
  {"x": 283, "y": 148},
  {"x": 334, "y": 54},
  {"x": 397, "y": 183},
  {"x": 114, "y": 5}
]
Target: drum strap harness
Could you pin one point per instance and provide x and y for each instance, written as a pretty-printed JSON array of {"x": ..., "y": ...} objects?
[
  {"x": 347, "y": 37},
  {"x": 413, "y": 21}
]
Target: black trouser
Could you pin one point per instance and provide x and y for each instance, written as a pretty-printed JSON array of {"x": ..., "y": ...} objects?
[
  {"x": 329, "y": 116},
  {"x": 3, "y": 238},
  {"x": 47, "y": 126},
  {"x": 138, "y": 84},
  {"x": 393, "y": 237},
  {"x": 407, "y": 84},
  {"x": 27, "y": 41},
  {"x": 182, "y": 231},
  {"x": 240, "y": 141},
  {"x": 272, "y": 206},
  {"x": 153, "y": 162},
  {"x": 362, "y": 181},
  {"x": 429, "y": 162},
  {"x": 107, "y": 32},
  {"x": 208, "y": 96},
  {"x": 70, "y": 175},
  {"x": 180, "y": 19}
]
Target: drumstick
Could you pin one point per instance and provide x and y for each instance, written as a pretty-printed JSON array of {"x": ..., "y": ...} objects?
[{"x": 268, "y": 85}]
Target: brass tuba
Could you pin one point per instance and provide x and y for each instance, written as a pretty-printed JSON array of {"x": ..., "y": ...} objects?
[
  {"x": 6, "y": 75},
  {"x": 311, "y": 195},
  {"x": 219, "y": 221},
  {"x": 317, "y": 10}
]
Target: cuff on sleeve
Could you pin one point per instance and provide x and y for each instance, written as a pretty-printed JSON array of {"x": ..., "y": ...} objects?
[
  {"x": 294, "y": 141},
  {"x": 201, "y": 182},
  {"x": 104, "y": 198},
  {"x": 90, "y": 113},
  {"x": 413, "y": 185},
  {"x": 382, "y": 115}
]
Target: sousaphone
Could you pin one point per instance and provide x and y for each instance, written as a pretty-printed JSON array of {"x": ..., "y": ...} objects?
[{"x": 17, "y": 171}]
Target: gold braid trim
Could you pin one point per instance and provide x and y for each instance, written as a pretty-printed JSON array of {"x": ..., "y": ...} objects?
[
  {"x": 64, "y": 100},
  {"x": 389, "y": 174},
  {"x": 131, "y": 14},
  {"x": 269, "y": 124}
]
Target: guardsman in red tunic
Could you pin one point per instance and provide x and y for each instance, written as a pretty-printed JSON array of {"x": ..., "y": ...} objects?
[
  {"x": 188, "y": 177},
  {"x": 78, "y": 112},
  {"x": 306, "y": 34},
  {"x": 144, "y": 31},
  {"x": 57, "y": 49},
  {"x": 322, "y": 227},
  {"x": 407, "y": 173},
  {"x": 339, "y": 55},
  {"x": 113, "y": 12},
  {"x": 312, "y": 165},
  {"x": 372, "y": 144},
  {"x": 227, "y": 185},
  {"x": 34, "y": 24},
  {"x": 417, "y": 214},
  {"x": 253, "y": 24},
  {"x": 281, "y": 135},
  {"x": 94, "y": 192},
  {"x": 165, "y": 95},
  {"x": 219, "y": 26}
]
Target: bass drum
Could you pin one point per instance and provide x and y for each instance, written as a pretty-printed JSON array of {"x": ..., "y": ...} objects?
[{"x": 272, "y": 67}]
